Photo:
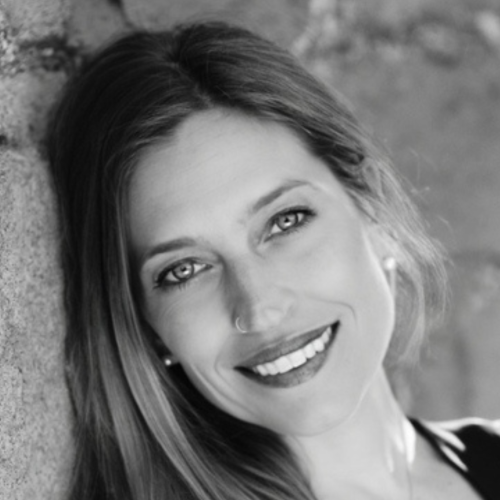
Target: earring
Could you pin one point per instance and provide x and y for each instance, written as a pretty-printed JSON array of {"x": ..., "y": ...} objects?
[
  {"x": 389, "y": 264},
  {"x": 238, "y": 327},
  {"x": 168, "y": 360}
]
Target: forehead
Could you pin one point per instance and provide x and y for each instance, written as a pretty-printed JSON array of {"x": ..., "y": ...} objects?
[
  {"x": 221, "y": 146},
  {"x": 214, "y": 163},
  {"x": 218, "y": 147}
]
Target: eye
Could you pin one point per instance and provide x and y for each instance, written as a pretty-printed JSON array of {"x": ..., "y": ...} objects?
[
  {"x": 179, "y": 273},
  {"x": 290, "y": 220}
]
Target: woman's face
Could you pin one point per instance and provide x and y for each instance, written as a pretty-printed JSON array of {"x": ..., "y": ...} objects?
[{"x": 234, "y": 218}]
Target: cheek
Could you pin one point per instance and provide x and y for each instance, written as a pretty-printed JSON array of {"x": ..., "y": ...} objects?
[
  {"x": 192, "y": 332},
  {"x": 344, "y": 268},
  {"x": 339, "y": 261}
]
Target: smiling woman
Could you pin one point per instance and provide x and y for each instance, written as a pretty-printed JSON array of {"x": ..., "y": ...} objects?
[
  {"x": 243, "y": 274},
  {"x": 275, "y": 242}
]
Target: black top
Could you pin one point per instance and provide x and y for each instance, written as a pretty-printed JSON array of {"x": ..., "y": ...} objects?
[{"x": 472, "y": 447}]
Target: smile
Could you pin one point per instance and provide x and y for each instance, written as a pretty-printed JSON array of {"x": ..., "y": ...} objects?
[
  {"x": 299, "y": 362},
  {"x": 296, "y": 358}
]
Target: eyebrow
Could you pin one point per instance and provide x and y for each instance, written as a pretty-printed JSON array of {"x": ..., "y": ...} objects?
[
  {"x": 165, "y": 247},
  {"x": 268, "y": 198},
  {"x": 263, "y": 201}
]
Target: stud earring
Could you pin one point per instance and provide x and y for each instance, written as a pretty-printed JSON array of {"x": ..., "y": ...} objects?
[
  {"x": 389, "y": 265},
  {"x": 238, "y": 327},
  {"x": 168, "y": 360}
]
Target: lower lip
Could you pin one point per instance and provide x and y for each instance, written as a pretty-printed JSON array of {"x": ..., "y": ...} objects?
[{"x": 298, "y": 375}]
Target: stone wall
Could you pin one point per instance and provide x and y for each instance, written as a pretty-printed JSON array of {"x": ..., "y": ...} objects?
[
  {"x": 34, "y": 417},
  {"x": 424, "y": 75}
]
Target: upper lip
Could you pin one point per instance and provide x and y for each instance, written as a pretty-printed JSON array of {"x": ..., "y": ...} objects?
[{"x": 283, "y": 348}]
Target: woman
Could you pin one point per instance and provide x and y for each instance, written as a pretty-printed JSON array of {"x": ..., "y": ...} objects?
[{"x": 243, "y": 273}]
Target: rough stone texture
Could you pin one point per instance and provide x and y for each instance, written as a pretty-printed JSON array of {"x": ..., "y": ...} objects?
[
  {"x": 24, "y": 101},
  {"x": 36, "y": 19},
  {"x": 34, "y": 438},
  {"x": 35, "y": 445},
  {"x": 281, "y": 20}
]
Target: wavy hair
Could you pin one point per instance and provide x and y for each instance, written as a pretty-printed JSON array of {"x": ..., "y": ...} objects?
[{"x": 144, "y": 433}]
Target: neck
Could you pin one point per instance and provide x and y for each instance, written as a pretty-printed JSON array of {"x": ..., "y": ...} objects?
[{"x": 369, "y": 455}]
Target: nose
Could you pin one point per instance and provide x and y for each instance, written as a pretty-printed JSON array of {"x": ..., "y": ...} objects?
[{"x": 260, "y": 300}]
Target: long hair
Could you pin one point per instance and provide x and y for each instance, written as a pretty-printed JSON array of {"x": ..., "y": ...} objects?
[{"x": 142, "y": 432}]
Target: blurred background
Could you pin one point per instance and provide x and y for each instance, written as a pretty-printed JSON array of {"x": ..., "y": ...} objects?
[{"x": 423, "y": 76}]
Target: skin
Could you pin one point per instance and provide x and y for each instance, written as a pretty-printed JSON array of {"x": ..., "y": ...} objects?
[{"x": 201, "y": 217}]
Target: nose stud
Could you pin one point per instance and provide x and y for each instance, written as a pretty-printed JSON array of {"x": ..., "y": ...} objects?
[{"x": 238, "y": 327}]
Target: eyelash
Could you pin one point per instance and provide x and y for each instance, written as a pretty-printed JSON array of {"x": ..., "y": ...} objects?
[
  {"x": 307, "y": 214},
  {"x": 160, "y": 280}
]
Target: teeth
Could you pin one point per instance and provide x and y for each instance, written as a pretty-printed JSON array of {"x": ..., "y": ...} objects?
[
  {"x": 262, "y": 370},
  {"x": 326, "y": 334},
  {"x": 283, "y": 364},
  {"x": 309, "y": 351},
  {"x": 271, "y": 368},
  {"x": 319, "y": 345},
  {"x": 296, "y": 358}
]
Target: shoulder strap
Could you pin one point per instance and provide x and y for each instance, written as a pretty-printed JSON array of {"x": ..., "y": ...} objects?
[
  {"x": 472, "y": 446},
  {"x": 482, "y": 454}
]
